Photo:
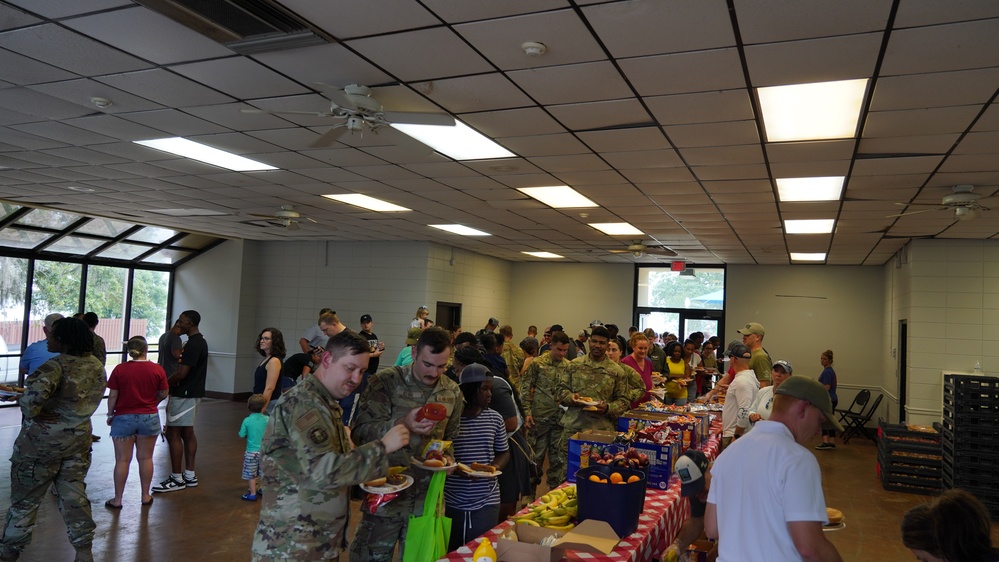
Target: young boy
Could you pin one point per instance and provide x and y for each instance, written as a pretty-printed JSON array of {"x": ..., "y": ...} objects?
[{"x": 253, "y": 430}]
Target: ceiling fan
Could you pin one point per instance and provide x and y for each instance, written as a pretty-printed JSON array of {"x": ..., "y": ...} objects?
[
  {"x": 638, "y": 248},
  {"x": 358, "y": 110},
  {"x": 963, "y": 200},
  {"x": 286, "y": 216}
]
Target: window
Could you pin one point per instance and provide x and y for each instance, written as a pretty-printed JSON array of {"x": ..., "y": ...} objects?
[
  {"x": 681, "y": 303},
  {"x": 105, "y": 295},
  {"x": 13, "y": 280},
  {"x": 149, "y": 305}
]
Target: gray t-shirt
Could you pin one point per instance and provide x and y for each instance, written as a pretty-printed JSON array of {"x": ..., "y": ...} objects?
[{"x": 169, "y": 343}]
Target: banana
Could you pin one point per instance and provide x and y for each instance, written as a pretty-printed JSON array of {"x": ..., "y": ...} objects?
[
  {"x": 531, "y": 523},
  {"x": 571, "y": 503},
  {"x": 560, "y": 510},
  {"x": 572, "y": 511},
  {"x": 557, "y": 520},
  {"x": 560, "y": 528},
  {"x": 547, "y": 498}
]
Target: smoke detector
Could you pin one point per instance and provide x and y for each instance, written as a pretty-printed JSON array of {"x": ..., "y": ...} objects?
[{"x": 534, "y": 49}]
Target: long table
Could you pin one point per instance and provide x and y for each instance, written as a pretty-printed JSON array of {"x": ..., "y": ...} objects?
[{"x": 658, "y": 525}]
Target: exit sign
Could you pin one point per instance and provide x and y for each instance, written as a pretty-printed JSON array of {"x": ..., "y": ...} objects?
[{"x": 678, "y": 266}]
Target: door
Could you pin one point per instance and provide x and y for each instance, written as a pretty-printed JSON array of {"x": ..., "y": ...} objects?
[
  {"x": 448, "y": 315},
  {"x": 903, "y": 368}
]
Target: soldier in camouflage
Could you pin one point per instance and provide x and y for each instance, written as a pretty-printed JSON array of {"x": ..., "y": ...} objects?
[
  {"x": 53, "y": 446},
  {"x": 593, "y": 376},
  {"x": 395, "y": 395},
  {"x": 513, "y": 355},
  {"x": 542, "y": 414},
  {"x": 309, "y": 462}
]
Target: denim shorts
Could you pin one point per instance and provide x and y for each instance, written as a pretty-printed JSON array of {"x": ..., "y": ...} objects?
[{"x": 129, "y": 425}]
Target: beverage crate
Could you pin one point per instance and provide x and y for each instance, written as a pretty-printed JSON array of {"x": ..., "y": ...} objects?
[
  {"x": 894, "y": 438},
  {"x": 971, "y": 387},
  {"x": 908, "y": 485},
  {"x": 909, "y": 461},
  {"x": 969, "y": 418},
  {"x": 973, "y": 440}
]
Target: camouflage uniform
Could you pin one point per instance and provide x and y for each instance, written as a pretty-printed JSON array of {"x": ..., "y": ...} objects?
[
  {"x": 308, "y": 465},
  {"x": 636, "y": 385},
  {"x": 54, "y": 447},
  {"x": 539, "y": 394},
  {"x": 658, "y": 357},
  {"x": 514, "y": 357},
  {"x": 390, "y": 395},
  {"x": 100, "y": 350},
  {"x": 603, "y": 380}
]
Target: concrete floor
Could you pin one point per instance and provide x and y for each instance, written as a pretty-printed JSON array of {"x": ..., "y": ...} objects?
[{"x": 212, "y": 522}]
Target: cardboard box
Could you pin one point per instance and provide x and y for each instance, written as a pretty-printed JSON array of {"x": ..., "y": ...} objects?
[
  {"x": 661, "y": 457},
  {"x": 588, "y": 536},
  {"x": 690, "y": 433}
]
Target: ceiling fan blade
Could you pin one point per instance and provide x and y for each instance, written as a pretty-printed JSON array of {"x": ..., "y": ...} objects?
[
  {"x": 919, "y": 205},
  {"x": 313, "y": 113},
  {"x": 915, "y": 212},
  {"x": 659, "y": 251},
  {"x": 329, "y": 137},
  {"x": 292, "y": 225},
  {"x": 271, "y": 217},
  {"x": 339, "y": 97},
  {"x": 310, "y": 219},
  {"x": 413, "y": 118}
]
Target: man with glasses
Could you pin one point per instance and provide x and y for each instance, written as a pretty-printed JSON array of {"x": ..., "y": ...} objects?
[
  {"x": 752, "y": 337},
  {"x": 766, "y": 500},
  {"x": 187, "y": 388}
]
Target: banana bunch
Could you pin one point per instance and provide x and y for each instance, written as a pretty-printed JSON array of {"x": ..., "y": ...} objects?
[{"x": 556, "y": 510}]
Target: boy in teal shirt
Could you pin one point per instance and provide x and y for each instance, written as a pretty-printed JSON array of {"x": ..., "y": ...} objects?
[{"x": 253, "y": 430}]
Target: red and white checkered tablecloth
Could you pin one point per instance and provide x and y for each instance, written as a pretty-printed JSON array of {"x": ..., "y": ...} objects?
[{"x": 660, "y": 522}]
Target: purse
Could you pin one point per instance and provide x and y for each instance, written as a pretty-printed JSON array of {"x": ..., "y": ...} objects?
[{"x": 427, "y": 536}]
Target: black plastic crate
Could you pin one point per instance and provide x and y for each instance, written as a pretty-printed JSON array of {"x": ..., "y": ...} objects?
[
  {"x": 971, "y": 386},
  {"x": 917, "y": 459},
  {"x": 971, "y": 403},
  {"x": 910, "y": 489},
  {"x": 893, "y": 430}
]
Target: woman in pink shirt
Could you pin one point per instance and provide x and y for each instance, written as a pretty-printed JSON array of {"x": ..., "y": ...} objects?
[{"x": 639, "y": 361}]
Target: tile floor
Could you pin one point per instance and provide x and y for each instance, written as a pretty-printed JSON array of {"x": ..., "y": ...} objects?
[{"x": 211, "y": 522}]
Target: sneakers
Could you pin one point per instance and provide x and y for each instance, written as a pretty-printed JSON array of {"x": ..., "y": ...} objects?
[
  {"x": 249, "y": 497},
  {"x": 170, "y": 485},
  {"x": 825, "y": 446},
  {"x": 191, "y": 482}
]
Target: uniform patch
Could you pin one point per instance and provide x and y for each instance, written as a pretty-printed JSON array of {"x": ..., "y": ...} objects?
[
  {"x": 307, "y": 420},
  {"x": 318, "y": 435}
]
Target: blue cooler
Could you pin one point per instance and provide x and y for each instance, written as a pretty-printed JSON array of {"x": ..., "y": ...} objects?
[{"x": 617, "y": 504}]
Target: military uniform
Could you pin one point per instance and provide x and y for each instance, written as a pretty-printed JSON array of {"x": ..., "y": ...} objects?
[
  {"x": 539, "y": 394},
  {"x": 514, "y": 357},
  {"x": 658, "y": 357},
  {"x": 636, "y": 386},
  {"x": 603, "y": 380},
  {"x": 391, "y": 394},
  {"x": 308, "y": 464},
  {"x": 54, "y": 447}
]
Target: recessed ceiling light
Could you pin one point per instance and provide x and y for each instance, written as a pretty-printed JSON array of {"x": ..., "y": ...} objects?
[
  {"x": 816, "y": 111},
  {"x": 558, "y": 196},
  {"x": 826, "y": 188},
  {"x": 365, "y": 202},
  {"x": 459, "y": 141},
  {"x": 459, "y": 229},
  {"x": 814, "y": 226},
  {"x": 204, "y": 153},
  {"x": 800, "y": 256},
  {"x": 547, "y": 255},
  {"x": 617, "y": 228}
]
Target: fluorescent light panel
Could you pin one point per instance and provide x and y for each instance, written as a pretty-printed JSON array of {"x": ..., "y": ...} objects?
[
  {"x": 800, "y": 256},
  {"x": 815, "y": 226},
  {"x": 816, "y": 111},
  {"x": 204, "y": 153},
  {"x": 459, "y": 229},
  {"x": 547, "y": 255},
  {"x": 460, "y": 141},
  {"x": 825, "y": 188},
  {"x": 617, "y": 229},
  {"x": 365, "y": 202},
  {"x": 558, "y": 196}
]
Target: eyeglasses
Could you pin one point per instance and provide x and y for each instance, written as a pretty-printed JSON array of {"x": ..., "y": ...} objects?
[{"x": 264, "y": 338}]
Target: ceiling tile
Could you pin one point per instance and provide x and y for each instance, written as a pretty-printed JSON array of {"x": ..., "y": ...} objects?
[
  {"x": 817, "y": 60},
  {"x": 561, "y": 31},
  {"x": 723, "y": 155},
  {"x": 344, "y": 19},
  {"x": 923, "y": 144},
  {"x": 544, "y": 145},
  {"x": 165, "y": 88},
  {"x": 81, "y": 91},
  {"x": 683, "y": 72},
  {"x": 713, "y": 134},
  {"x": 771, "y": 21},
  {"x": 942, "y": 48},
  {"x": 483, "y": 92},
  {"x": 622, "y": 140},
  {"x": 58, "y": 46},
  {"x": 600, "y": 114},
  {"x": 21, "y": 70},
  {"x": 808, "y": 151},
  {"x": 239, "y": 77},
  {"x": 327, "y": 64},
  {"x": 25, "y": 100},
  {"x": 930, "y": 121},
  {"x": 643, "y": 159},
  {"x": 569, "y": 163},
  {"x": 61, "y": 132},
  {"x": 174, "y": 122},
  {"x": 645, "y": 27},
  {"x": 454, "y": 12},
  {"x": 937, "y": 89},
  {"x": 810, "y": 168},
  {"x": 427, "y": 54},
  {"x": 572, "y": 83},
  {"x": 703, "y": 107},
  {"x": 513, "y": 122}
]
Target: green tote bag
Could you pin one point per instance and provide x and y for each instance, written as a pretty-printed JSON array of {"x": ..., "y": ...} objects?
[{"x": 427, "y": 536}]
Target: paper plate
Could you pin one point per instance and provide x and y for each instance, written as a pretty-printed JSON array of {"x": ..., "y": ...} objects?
[
  {"x": 388, "y": 488},
  {"x": 836, "y": 527},
  {"x": 419, "y": 463}
]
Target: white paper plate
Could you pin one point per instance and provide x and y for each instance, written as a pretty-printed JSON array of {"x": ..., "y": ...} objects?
[
  {"x": 587, "y": 402},
  {"x": 417, "y": 462},
  {"x": 836, "y": 527},
  {"x": 11, "y": 394},
  {"x": 388, "y": 488}
]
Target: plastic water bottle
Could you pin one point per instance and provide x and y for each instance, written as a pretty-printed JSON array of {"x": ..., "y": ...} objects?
[{"x": 978, "y": 367}]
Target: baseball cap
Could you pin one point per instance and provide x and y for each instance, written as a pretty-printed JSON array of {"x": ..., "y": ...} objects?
[
  {"x": 753, "y": 328},
  {"x": 493, "y": 322},
  {"x": 474, "y": 373},
  {"x": 739, "y": 350},
  {"x": 557, "y": 328},
  {"x": 412, "y": 335},
  {"x": 813, "y": 392},
  {"x": 786, "y": 365},
  {"x": 584, "y": 334},
  {"x": 365, "y": 318},
  {"x": 596, "y": 323},
  {"x": 691, "y": 467}
]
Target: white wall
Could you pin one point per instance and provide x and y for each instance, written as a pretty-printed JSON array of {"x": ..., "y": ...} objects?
[
  {"x": 481, "y": 284},
  {"x": 948, "y": 291},
  {"x": 808, "y": 309},
  {"x": 571, "y": 294}
]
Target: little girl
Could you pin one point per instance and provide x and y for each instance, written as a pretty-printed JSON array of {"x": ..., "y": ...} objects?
[{"x": 473, "y": 503}]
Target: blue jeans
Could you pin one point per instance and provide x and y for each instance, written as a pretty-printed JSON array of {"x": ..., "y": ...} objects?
[{"x": 130, "y": 425}]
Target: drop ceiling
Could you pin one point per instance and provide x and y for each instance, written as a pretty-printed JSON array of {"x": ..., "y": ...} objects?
[{"x": 647, "y": 107}]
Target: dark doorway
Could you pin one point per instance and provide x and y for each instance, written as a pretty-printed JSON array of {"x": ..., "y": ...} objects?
[
  {"x": 903, "y": 354},
  {"x": 448, "y": 315}
]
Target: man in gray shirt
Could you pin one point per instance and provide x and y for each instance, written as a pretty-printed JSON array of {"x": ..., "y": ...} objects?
[{"x": 169, "y": 350}]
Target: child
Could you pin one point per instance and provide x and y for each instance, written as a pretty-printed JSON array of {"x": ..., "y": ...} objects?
[
  {"x": 473, "y": 503},
  {"x": 253, "y": 430}
]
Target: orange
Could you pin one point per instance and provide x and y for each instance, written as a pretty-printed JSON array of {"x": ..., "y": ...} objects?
[
  {"x": 632, "y": 479},
  {"x": 594, "y": 478},
  {"x": 616, "y": 478},
  {"x": 621, "y": 482},
  {"x": 603, "y": 480}
]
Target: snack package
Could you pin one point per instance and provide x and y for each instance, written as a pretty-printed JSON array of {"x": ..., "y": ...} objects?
[
  {"x": 374, "y": 502},
  {"x": 432, "y": 411}
]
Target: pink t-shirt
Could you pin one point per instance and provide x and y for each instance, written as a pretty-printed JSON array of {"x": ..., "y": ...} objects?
[
  {"x": 645, "y": 371},
  {"x": 137, "y": 383}
]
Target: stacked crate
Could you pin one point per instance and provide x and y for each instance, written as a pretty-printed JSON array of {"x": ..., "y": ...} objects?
[
  {"x": 970, "y": 437},
  {"x": 909, "y": 460}
]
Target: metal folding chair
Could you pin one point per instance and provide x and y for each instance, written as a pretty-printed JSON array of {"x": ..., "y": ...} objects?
[
  {"x": 859, "y": 401},
  {"x": 856, "y": 423}
]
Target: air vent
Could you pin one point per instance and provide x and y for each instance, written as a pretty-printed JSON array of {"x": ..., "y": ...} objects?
[{"x": 245, "y": 26}]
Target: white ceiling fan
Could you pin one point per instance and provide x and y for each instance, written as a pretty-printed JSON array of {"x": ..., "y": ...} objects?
[
  {"x": 965, "y": 202},
  {"x": 358, "y": 111},
  {"x": 286, "y": 216},
  {"x": 639, "y": 248}
]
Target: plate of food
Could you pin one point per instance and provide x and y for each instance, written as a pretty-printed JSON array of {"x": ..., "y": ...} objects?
[
  {"x": 388, "y": 485},
  {"x": 434, "y": 462},
  {"x": 479, "y": 470},
  {"x": 837, "y": 520},
  {"x": 9, "y": 391},
  {"x": 586, "y": 401}
]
